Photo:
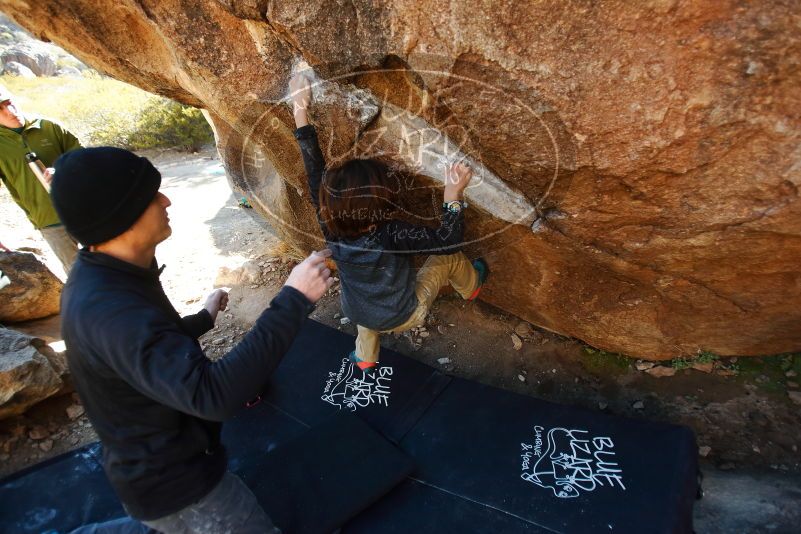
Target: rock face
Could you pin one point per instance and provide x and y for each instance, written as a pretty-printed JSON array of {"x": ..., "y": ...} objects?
[
  {"x": 69, "y": 72},
  {"x": 12, "y": 68},
  {"x": 22, "y": 55},
  {"x": 640, "y": 162},
  {"x": 34, "y": 58},
  {"x": 30, "y": 371},
  {"x": 33, "y": 292}
]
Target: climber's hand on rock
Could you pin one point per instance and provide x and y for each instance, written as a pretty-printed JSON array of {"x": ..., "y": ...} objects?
[
  {"x": 311, "y": 276},
  {"x": 300, "y": 89},
  {"x": 216, "y": 302},
  {"x": 457, "y": 178}
]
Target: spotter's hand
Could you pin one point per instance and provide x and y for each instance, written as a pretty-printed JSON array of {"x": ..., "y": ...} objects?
[{"x": 312, "y": 277}]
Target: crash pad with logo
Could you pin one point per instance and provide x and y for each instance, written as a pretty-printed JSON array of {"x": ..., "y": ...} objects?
[
  {"x": 487, "y": 460},
  {"x": 536, "y": 463}
]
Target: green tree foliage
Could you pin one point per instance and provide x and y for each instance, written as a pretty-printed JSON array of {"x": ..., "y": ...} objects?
[{"x": 166, "y": 123}]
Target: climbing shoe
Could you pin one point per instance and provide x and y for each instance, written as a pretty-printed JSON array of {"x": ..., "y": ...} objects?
[
  {"x": 367, "y": 367},
  {"x": 481, "y": 267}
]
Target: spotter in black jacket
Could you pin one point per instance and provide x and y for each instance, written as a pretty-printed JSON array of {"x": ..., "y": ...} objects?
[{"x": 153, "y": 397}]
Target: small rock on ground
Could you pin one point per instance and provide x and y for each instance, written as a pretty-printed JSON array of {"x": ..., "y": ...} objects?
[
  {"x": 524, "y": 329},
  {"x": 74, "y": 411},
  {"x": 38, "y": 432},
  {"x": 704, "y": 367},
  {"x": 660, "y": 370}
]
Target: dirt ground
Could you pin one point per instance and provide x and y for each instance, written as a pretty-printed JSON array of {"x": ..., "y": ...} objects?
[{"x": 748, "y": 427}]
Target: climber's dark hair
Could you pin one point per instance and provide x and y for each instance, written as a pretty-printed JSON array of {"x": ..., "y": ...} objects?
[{"x": 357, "y": 196}]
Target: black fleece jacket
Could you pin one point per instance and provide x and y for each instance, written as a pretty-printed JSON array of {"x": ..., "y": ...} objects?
[{"x": 151, "y": 394}]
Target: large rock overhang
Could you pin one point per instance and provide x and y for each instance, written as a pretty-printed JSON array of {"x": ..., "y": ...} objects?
[{"x": 640, "y": 164}]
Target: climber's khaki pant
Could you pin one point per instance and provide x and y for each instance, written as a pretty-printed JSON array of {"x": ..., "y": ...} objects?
[{"x": 436, "y": 273}]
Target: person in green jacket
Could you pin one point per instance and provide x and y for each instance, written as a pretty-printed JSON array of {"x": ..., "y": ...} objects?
[{"x": 18, "y": 136}]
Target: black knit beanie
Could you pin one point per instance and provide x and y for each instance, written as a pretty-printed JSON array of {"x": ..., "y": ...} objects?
[{"x": 100, "y": 192}]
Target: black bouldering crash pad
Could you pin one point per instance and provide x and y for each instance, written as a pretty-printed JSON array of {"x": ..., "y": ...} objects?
[{"x": 486, "y": 460}]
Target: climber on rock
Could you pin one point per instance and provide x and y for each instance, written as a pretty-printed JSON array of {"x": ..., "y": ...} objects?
[
  {"x": 155, "y": 400},
  {"x": 356, "y": 206}
]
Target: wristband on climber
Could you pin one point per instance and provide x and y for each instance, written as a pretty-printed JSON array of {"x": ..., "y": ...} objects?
[{"x": 454, "y": 206}]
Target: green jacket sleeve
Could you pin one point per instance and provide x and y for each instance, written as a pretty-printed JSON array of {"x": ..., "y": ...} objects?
[{"x": 66, "y": 139}]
